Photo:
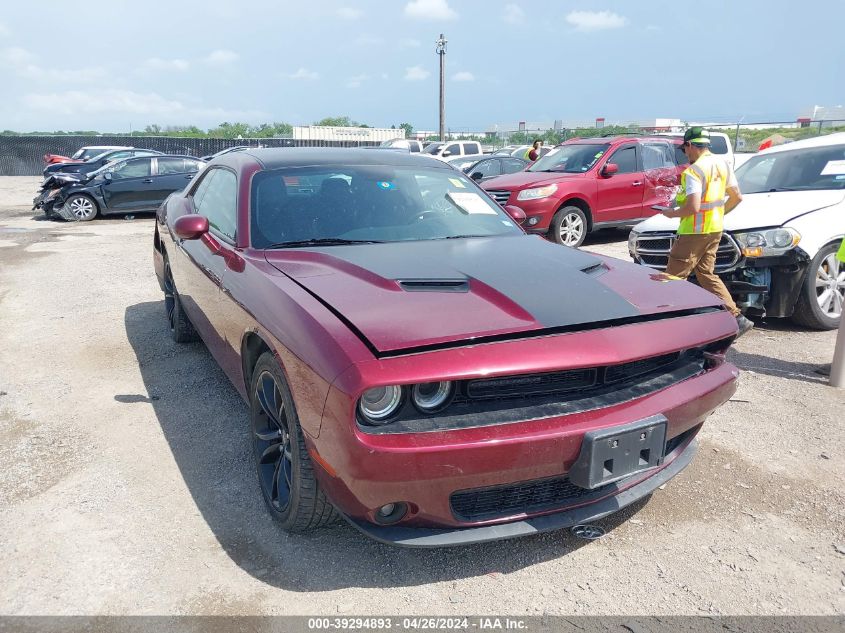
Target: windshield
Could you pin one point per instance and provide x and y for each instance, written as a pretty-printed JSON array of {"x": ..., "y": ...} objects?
[
  {"x": 795, "y": 170},
  {"x": 368, "y": 203},
  {"x": 433, "y": 148},
  {"x": 571, "y": 159}
]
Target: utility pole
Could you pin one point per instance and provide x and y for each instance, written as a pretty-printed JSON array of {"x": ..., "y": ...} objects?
[{"x": 441, "y": 51}]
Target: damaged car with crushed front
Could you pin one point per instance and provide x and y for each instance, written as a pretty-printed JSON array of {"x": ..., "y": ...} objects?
[{"x": 416, "y": 364}]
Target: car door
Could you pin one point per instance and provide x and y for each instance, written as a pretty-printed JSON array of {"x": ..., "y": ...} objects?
[
  {"x": 620, "y": 196},
  {"x": 453, "y": 149},
  {"x": 512, "y": 165},
  {"x": 129, "y": 185},
  {"x": 170, "y": 173},
  {"x": 203, "y": 262},
  {"x": 661, "y": 175}
]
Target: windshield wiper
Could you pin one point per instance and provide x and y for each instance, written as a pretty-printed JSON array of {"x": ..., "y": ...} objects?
[
  {"x": 458, "y": 237},
  {"x": 773, "y": 189},
  {"x": 323, "y": 241}
]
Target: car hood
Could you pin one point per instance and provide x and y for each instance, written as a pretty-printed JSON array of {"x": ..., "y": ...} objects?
[
  {"x": 522, "y": 179},
  {"x": 404, "y": 295},
  {"x": 759, "y": 210}
]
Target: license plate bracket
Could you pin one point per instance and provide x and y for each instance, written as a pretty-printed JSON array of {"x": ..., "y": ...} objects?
[{"x": 611, "y": 454}]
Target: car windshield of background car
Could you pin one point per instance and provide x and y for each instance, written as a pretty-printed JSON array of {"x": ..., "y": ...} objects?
[
  {"x": 369, "y": 203},
  {"x": 433, "y": 148},
  {"x": 795, "y": 170},
  {"x": 571, "y": 159}
]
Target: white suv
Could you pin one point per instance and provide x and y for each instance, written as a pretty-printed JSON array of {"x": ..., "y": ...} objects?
[
  {"x": 442, "y": 151},
  {"x": 778, "y": 250}
]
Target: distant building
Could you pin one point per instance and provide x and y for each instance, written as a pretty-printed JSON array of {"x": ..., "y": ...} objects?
[
  {"x": 332, "y": 133},
  {"x": 827, "y": 115}
]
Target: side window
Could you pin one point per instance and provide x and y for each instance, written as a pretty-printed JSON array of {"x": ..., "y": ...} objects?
[
  {"x": 680, "y": 157},
  {"x": 216, "y": 198},
  {"x": 657, "y": 156},
  {"x": 193, "y": 166},
  {"x": 472, "y": 148},
  {"x": 167, "y": 166},
  {"x": 454, "y": 149},
  {"x": 718, "y": 145},
  {"x": 135, "y": 168},
  {"x": 487, "y": 168},
  {"x": 626, "y": 159},
  {"x": 119, "y": 155},
  {"x": 511, "y": 166}
]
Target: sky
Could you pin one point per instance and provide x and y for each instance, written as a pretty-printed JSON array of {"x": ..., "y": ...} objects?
[{"x": 117, "y": 66}]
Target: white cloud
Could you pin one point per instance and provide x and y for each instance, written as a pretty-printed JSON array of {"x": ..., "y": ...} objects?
[
  {"x": 514, "y": 14},
  {"x": 157, "y": 63},
  {"x": 16, "y": 55},
  {"x": 430, "y": 10},
  {"x": 416, "y": 73},
  {"x": 596, "y": 20},
  {"x": 122, "y": 102},
  {"x": 385, "y": 76},
  {"x": 463, "y": 76},
  {"x": 304, "y": 73},
  {"x": 368, "y": 40},
  {"x": 409, "y": 43},
  {"x": 23, "y": 63},
  {"x": 356, "y": 81},
  {"x": 347, "y": 13},
  {"x": 222, "y": 57}
]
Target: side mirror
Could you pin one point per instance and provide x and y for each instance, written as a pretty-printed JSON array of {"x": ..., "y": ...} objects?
[
  {"x": 517, "y": 214},
  {"x": 108, "y": 176},
  {"x": 446, "y": 153},
  {"x": 609, "y": 169},
  {"x": 476, "y": 175},
  {"x": 191, "y": 226}
]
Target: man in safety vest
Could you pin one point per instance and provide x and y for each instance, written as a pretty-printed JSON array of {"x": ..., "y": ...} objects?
[
  {"x": 533, "y": 152},
  {"x": 701, "y": 205}
]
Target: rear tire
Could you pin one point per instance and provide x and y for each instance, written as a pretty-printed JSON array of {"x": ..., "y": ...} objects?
[
  {"x": 569, "y": 227},
  {"x": 820, "y": 300},
  {"x": 285, "y": 473}
]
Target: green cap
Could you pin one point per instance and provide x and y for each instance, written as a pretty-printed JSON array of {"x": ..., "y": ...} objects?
[{"x": 697, "y": 135}]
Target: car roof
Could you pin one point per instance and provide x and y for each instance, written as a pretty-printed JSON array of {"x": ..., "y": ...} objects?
[
  {"x": 616, "y": 139},
  {"x": 276, "y": 157},
  {"x": 817, "y": 141}
]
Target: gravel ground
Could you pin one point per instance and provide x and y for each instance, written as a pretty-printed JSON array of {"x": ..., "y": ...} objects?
[{"x": 126, "y": 485}]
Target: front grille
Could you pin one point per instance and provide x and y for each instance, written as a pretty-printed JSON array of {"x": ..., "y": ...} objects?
[
  {"x": 533, "y": 496},
  {"x": 625, "y": 371},
  {"x": 652, "y": 249},
  {"x": 500, "y": 195},
  {"x": 531, "y": 384}
]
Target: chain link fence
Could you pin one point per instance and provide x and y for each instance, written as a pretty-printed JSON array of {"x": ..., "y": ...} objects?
[{"x": 23, "y": 155}]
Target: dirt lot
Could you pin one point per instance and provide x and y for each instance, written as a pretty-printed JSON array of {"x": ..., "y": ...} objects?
[{"x": 126, "y": 485}]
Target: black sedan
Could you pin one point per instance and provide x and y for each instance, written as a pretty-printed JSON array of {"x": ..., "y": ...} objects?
[
  {"x": 93, "y": 164},
  {"x": 128, "y": 186},
  {"x": 481, "y": 169}
]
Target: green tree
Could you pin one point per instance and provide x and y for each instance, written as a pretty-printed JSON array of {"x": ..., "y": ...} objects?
[
  {"x": 409, "y": 129},
  {"x": 340, "y": 121}
]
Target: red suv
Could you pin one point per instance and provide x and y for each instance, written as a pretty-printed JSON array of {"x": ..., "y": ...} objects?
[{"x": 587, "y": 184}]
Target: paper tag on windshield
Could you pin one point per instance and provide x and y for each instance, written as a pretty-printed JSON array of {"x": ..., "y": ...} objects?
[
  {"x": 457, "y": 183},
  {"x": 470, "y": 202},
  {"x": 834, "y": 168}
]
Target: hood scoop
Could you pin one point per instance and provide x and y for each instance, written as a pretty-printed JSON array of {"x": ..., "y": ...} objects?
[
  {"x": 434, "y": 285},
  {"x": 595, "y": 269}
]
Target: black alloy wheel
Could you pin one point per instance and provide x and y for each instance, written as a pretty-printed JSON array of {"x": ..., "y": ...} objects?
[
  {"x": 285, "y": 473},
  {"x": 181, "y": 328}
]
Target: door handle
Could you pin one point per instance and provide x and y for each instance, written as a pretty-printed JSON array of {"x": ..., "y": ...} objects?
[
  {"x": 147, "y": 180},
  {"x": 189, "y": 176},
  {"x": 637, "y": 183}
]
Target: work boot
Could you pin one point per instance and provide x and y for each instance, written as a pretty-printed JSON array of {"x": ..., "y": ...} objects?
[{"x": 744, "y": 324}]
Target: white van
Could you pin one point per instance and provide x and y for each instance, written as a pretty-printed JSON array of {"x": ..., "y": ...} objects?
[
  {"x": 450, "y": 149},
  {"x": 720, "y": 144}
]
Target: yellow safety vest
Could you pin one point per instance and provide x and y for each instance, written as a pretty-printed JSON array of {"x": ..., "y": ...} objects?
[
  {"x": 840, "y": 255},
  {"x": 712, "y": 173}
]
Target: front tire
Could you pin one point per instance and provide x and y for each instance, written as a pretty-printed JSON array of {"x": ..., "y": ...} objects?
[
  {"x": 569, "y": 227},
  {"x": 83, "y": 208},
  {"x": 181, "y": 328},
  {"x": 285, "y": 473},
  {"x": 822, "y": 293}
]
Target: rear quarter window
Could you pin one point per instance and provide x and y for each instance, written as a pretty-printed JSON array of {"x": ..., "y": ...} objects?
[{"x": 718, "y": 145}]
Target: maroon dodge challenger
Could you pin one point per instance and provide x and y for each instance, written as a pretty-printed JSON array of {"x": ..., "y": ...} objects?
[{"x": 418, "y": 365}]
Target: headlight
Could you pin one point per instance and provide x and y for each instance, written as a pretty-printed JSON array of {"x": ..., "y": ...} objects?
[
  {"x": 768, "y": 243},
  {"x": 379, "y": 403},
  {"x": 429, "y": 397},
  {"x": 537, "y": 193},
  {"x": 632, "y": 242}
]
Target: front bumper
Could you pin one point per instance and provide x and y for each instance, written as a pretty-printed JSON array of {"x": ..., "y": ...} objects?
[{"x": 432, "y": 537}]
